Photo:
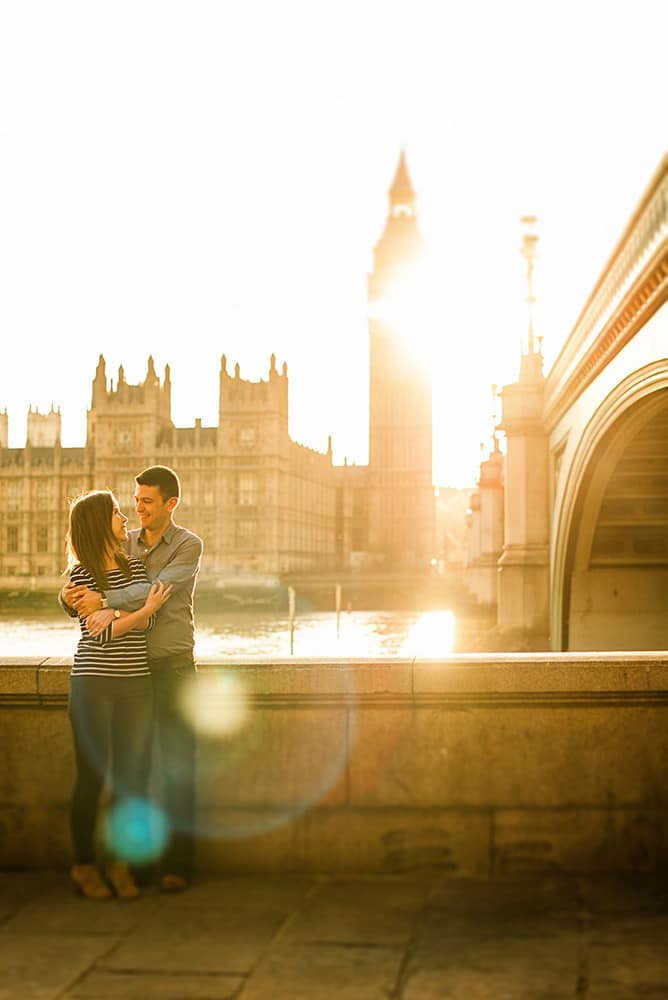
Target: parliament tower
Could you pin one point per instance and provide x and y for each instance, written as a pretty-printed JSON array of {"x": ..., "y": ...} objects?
[{"x": 401, "y": 495}]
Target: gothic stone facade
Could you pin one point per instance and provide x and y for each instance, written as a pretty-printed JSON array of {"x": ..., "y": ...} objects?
[{"x": 262, "y": 503}]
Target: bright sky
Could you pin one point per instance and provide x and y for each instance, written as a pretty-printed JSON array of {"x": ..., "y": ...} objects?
[{"x": 187, "y": 179}]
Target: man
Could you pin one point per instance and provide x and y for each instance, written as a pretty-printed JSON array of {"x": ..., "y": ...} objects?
[{"x": 173, "y": 555}]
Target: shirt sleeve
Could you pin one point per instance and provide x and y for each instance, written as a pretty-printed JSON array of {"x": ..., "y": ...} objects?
[
  {"x": 180, "y": 571},
  {"x": 133, "y": 596},
  {"x": 184, "y": 567},
  {"x": 130, "y": 598}
]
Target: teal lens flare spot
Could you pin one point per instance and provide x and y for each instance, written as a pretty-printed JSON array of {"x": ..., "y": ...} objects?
[{"x": 136, "y": 831}]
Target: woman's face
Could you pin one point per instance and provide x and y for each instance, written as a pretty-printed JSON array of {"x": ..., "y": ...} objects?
[{"x": 119, "y": 523}]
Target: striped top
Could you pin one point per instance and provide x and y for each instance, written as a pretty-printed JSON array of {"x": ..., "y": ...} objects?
[{"x": 103, "y": 656}]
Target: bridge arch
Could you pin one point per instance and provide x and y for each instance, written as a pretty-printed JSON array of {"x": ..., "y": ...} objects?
[{"x": 610, "y": 559}]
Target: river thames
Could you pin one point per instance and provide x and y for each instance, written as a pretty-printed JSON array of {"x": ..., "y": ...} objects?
[{"x": 239, "y": 634}]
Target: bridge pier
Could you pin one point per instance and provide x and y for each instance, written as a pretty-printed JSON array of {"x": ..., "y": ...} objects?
[{"x": 524, "y": 586}]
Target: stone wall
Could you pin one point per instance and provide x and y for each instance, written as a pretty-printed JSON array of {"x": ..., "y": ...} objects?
[
  {"x": 626, "y": 604},
  {"x": 474, "y": 765}
]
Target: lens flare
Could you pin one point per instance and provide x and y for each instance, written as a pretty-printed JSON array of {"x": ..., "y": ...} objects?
[
  {"x": 215, "y": 703},
  {"x": 261, "y": 769},
  {"x": 136, "y": 831}
]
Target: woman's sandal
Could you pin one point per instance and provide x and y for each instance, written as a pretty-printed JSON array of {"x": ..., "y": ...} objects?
[
  {"x": 89, "y": 883},
  {"x": 122, "y": 881}
]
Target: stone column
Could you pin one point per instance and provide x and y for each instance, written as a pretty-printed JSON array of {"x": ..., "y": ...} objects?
[
  {"x": 524, "y": 563},
  {"x": 491, "y": 524}
]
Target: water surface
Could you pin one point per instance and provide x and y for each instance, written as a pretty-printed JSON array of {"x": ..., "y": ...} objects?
[{"x": 241, "y": 634}]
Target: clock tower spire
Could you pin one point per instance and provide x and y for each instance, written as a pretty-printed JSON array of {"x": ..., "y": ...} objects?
[{"x": 401, "y": 495}]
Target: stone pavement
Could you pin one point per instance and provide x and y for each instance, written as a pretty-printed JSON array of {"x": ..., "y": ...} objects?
[{"x": 411, "y": 937}]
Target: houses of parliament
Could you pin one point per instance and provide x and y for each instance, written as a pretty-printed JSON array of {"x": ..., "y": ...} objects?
[{"x": 262, "y": 503}]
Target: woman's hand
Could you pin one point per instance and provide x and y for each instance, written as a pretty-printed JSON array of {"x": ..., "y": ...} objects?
[{"x": 157, "y": 596}]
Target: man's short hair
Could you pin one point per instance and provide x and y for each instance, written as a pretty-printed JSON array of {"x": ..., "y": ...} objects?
[{"x": 164, "y": 478}]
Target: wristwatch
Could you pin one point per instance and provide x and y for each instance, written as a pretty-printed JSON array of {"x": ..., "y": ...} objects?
[
  {"x": 117, "y": 613},
  {"x": 104, "y": 603}
]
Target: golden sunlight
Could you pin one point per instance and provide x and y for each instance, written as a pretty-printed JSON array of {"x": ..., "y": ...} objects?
[
  {"x": 432, "y": 635},
  {"x": 411, "y": 309}
]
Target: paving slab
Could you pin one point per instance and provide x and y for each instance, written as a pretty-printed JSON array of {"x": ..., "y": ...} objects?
[
  {"x": 41, "y": 967},
  {"x": 326, "y": 972},
  {"x": 408, "y": 936},
  {"x": 627, "y": 956},
  {"x": 245, "y": 892},
  {"x": 469, "y": 984},
  {"x": 358, "y": 922},
  {"x": 393, "y": 890},
  {"x": 625, "y": 892},
  {"x": 212, "y": 941},
  {"x": 359, "y": 911},
  {"x": 473, "y": 964},
  {"x": 505, "y": 899},
  {"x": 63, "y": 913},
  {"x": 154, "y": 986}
]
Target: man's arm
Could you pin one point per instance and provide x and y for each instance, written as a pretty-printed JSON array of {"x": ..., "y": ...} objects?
[
  {"x": 77, "y": 599},
  {"x": 184, "y": 567},
  {"x": 179, "y": 572},
  {"x": 78, "y": 584},
  {"x": 63, "y": 593}
]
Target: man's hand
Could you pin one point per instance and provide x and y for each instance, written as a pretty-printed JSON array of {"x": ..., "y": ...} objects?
[
  {"x": 84, "y": 600},
  {"x": 99, "y": 620},
  {"x": 67, "y": 594}
]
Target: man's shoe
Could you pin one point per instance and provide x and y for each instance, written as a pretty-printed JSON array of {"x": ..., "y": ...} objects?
[
  {"x": 89, "y": 883},
  {"x": 173, "y": 883},
  {"x": 122, "y": 881}
]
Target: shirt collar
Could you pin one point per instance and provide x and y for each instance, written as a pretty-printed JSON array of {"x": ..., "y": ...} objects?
[{"x": 167, "y": 535}]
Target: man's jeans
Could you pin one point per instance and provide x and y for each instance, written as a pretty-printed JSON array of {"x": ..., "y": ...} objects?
[{"x": 171, "y": 677}]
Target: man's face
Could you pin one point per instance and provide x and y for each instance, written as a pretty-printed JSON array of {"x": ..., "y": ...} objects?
[{"x": 154, "y": 512}]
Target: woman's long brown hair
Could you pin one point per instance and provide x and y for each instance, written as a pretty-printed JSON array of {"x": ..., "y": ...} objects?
[{"x": 90, "y": 538}]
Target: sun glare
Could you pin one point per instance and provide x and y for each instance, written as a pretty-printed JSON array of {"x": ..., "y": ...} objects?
[
  {"x": 411, "y": 309},
  {"x": 432, "y": 635}
]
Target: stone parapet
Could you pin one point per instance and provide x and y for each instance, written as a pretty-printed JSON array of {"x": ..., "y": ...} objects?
[{"x": 478, "y": 764}]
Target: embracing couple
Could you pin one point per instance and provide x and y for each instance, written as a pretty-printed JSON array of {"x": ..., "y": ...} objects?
[{"x": 133, "y": 594}]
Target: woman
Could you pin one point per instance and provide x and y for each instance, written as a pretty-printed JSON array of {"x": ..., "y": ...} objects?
[{"x": 110, "y": 703}]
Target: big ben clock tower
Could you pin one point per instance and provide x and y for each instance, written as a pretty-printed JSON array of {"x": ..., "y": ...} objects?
[{"x": 401, "y": 496}]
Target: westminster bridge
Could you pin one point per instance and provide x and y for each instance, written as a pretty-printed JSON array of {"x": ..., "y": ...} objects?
[{"x": 571, "y": 525}]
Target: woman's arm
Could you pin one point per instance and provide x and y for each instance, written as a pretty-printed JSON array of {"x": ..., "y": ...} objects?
[{"x": 105, "y": 626}]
